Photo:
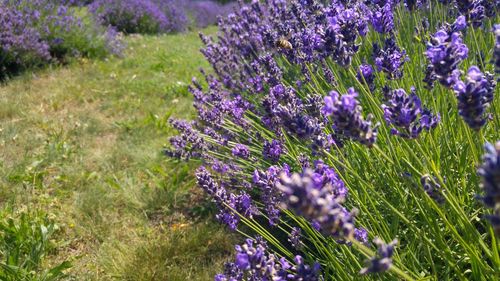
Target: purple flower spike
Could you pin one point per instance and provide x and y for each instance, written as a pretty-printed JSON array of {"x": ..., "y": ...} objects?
[
  {"x": 405, "y": 113},
  {"x": 365, "y": 74},
  {"x": 383, "y": 260},
  {"x": 241, "y": 150},
  {"x": 254, "y": 262},
  {"x": 295, "y": 238},
  {"x": 272, "y": 150},
  {"x": 445, "y": 51},
  {"x": 475, "y": 96},
  {"x": 383, "y": 19},
  {"x": 496, "y": 51},
  {"x": 317, "y": 202},
  {"x": 226, "y": 201},
  {"x": 473, "y": 10},
  {"x": 345, "y": 112},
  {"x": 390, "y": 59},
  {"x": 490, "y": 182}
]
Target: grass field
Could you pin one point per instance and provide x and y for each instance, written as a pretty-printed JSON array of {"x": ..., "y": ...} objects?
[{"x": 81, "y": 146}]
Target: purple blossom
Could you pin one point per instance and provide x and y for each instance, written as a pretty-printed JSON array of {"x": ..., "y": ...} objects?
[
  {"x": 345, "y": 112},
  {"x": 270, "y": 196},
  {"x": 317, "y": 202},
  {"x": 241, "y": 150},
  {"x": 473, "y": 10},
  {"x": 390, "y": 59},
  {"x": 272, "y": 150},
  {"x": 227, "y": 202},
  {"x": 253, "y": 261},
  {"x": 383, "y": 18},
  {"x": 365, "y": 75},
  {"x": 475, "y": 95},
  {"x": 490, "y": 182},
  {"x": 383, "y": 260},
  {"x": 404, "y": 112},
  {"x": 140, "y": 16},
  {"x": 459, "y": 24},
  {"x": 361, "y": 235},
  {"x": 444, "y": 51},
  {"x": 295, "y": 238},
  {"x": 496, "y": 50}
]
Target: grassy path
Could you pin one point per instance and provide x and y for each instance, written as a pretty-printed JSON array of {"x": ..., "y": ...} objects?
[{"x": 81, "y": 144}]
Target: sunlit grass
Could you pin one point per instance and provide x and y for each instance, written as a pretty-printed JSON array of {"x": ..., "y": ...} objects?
[{"x": 83, "y": 144}]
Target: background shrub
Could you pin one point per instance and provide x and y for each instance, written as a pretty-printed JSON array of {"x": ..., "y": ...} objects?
[
  {"x": 36, "y": 32},
  {"x": 205, "y": 13},
  {"x": 140, "y": 16}
]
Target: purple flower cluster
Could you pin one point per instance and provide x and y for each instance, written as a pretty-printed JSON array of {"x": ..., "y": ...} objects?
[
  {"x": 383, "y": 18},
  {"x": 490, "y": 175},
  {"x": 206, "y": 13},
  {"x": 383, "y": 260},
  {"x": 228, "y": 203},
  {"x": 390, "y": 58},
  {"x": 444, "y": 51},
  {"x": 406, "y": 114},
  {"x": 241, "y": 150},
  {"x": 272, "y": 150},
  {"x": 295, "y": 238},
  {"x": 316, "y": 201},
  {"x": 19, "y": 39},
  {"x": 475, "y": 95},
  {"x": 36, "y": 32},
  {"x": 345, "y": 113},
  {"x": 496, "y": 50},
  {"x": 365, "y": 75},
  {"x": 254, "y": 262},
  {"x": 140, "y": 16},
  {"x": 473, "y": 10},
  {"x": 270, "y": 196}
]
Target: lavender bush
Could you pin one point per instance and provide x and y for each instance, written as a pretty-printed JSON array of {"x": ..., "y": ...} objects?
[
  {"x": 140, "y": 16},
  {"x": 329, "y": 129},
  {"x": 36, "y": 32},
  {"x": 205, "y": 13}
]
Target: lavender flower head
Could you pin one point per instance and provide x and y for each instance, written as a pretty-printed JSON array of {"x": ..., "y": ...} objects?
[
  {"x": 444, "y": 51},
  {"x": 496, "y": 51},
  {"x": 475, "y": 96},
  {"x": 383, "y": 18},
  {"x": 473, "y": 10},
  {"x": 241, "y": 150},
  {"x": 490, "y": 182},
  {"x": 345, "y": 112},
  {"x": 317, "y": 202},
  {"x": 365, "y": 74},
  {"x": 270, "y": 196},
  {"x": 272, "y": 150},
  {"x": 226, "y": 201},
  {"x": 405, "y": 113},
  {"x": 390, "y": 59},
  {"x": 383, "y": 260},
  {"x": 361, "y": 235},
  {"x": 295, "y": 238},
  {"x": 253, "y": 261}
]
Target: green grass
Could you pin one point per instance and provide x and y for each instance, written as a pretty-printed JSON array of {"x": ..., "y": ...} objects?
[{"x": 82, "y": 144}]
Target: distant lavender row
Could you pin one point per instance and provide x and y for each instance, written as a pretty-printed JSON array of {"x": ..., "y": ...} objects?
[
  {"x": 205, "y": 13},
  {"x": 157, "y": 16},
  {"x": 36, "y": 32}
]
